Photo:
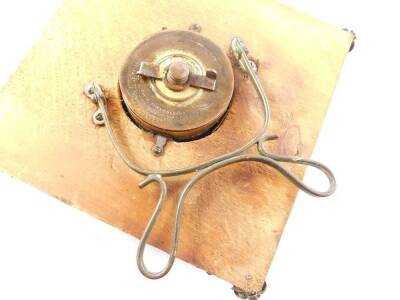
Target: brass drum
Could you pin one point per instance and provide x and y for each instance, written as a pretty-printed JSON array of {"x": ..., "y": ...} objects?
[{"x": 177, "y": 83}]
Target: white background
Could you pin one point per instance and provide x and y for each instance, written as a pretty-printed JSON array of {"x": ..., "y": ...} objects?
[{"x": 343, "y": 247}]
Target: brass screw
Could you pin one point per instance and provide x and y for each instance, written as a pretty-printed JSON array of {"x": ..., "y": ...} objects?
[{"x": 178, "y": 73}]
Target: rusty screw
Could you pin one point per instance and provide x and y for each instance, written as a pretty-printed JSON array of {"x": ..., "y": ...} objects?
[{"x": 195, "y": 27}]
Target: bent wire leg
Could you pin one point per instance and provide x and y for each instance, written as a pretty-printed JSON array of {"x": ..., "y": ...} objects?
[
  {"x": 143, "y": 241},
  {"x": 240, "y": 158},
  {"x": 302, "y": 161},
  {"x": 240, "y": 53}
]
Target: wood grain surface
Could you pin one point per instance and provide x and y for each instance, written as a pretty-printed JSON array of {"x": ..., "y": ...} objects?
[{"x": 233, "y": 219}]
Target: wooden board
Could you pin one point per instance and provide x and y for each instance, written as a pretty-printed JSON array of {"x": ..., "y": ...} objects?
[{"x": 233, "y": 219}]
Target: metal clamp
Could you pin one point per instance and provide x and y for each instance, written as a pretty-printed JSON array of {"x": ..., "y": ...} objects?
[
  {"x": 240, "y": 52},
  {"x": 178, "y": 76}
]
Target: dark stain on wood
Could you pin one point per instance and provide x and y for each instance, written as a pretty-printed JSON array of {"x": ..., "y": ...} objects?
[{"x": 290, "y": 142}]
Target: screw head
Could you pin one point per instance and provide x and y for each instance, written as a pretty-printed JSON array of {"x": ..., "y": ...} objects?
[
  {"x": 99, "y": 117},
  {"x": 253, "y": 66},
  {"x": 157, "y": 150},
  {"x": 195, "y": 27}
]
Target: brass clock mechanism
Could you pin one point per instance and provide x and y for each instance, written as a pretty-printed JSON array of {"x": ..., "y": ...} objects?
[{"x": 179, "y": 85}]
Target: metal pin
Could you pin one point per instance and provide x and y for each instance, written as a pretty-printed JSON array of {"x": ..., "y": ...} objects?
[{"x": 158, "y": 147}]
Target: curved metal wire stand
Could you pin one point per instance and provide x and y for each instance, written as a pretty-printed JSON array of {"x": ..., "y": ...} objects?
[{"x": 101, "y": 117}]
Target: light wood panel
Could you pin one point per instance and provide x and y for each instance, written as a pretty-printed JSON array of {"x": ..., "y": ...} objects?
[{"x": 233, "y": 219}]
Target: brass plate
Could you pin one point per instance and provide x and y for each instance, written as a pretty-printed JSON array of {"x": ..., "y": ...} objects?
[{"x": 182, "y": 115}]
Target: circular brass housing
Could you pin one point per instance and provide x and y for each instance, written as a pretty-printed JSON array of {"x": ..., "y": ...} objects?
[{"x": 182, "y": 112}]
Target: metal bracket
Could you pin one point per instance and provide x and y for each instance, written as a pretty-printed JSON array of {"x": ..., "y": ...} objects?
[
  {"x": 206, "y": 82},
  {"x": 90, "y": 92},
  {"x": 158, "y": 147}
]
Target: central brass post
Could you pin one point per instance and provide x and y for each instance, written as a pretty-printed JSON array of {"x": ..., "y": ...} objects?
[{"x": 177, "y": 75}]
